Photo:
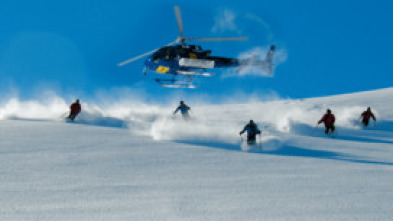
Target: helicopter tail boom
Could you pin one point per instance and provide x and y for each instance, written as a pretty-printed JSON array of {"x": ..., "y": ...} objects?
[{"x": 266, "y": 64}]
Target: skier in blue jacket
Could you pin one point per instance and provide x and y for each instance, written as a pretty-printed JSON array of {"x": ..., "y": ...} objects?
[
  {"x": 183, "y": 109},
  {"x": 252, "y": 131}
]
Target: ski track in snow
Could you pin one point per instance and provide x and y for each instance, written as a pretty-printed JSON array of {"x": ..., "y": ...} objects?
[{"x": 138, "y": 162}]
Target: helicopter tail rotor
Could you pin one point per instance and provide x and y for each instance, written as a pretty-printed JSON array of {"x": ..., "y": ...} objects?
[
  {"x": 267, "y": 64},
  {"x": 270, "y": 54}
]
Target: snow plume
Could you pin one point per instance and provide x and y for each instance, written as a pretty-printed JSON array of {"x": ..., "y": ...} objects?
[
  {"x": 209, "y": 122},
  {"x": 256, "y": 54},
  {"x": 223, "y": 122},
  {"x": 50, "y": 108},
  {"x": 225, "y": 21}
]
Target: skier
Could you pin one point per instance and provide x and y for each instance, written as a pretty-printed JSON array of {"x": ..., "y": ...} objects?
[
  {"x": 329, "y": 120},
  {"x": 183, "y": 109},
  {"x": 366, "y": 115},
  {"x": 75, "y": 109},
  {"x": 252, "y": 131}
]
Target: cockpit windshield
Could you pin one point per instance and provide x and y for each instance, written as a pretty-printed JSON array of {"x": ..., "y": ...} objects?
[
  {"x": 165, "y": 53},
  {"x": 172, "y": 52}
]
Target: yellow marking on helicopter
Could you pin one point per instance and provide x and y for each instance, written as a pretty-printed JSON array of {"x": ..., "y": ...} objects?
[
  {"x": 192, "y": 55},
  {"x": 162, "y": 69}
]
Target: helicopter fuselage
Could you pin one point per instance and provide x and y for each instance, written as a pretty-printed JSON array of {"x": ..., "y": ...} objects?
[{"x": 177, "y": 59}]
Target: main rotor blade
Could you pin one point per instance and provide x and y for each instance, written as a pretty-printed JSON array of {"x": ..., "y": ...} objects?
[
  {"x": 218, "y": 39},
  {"x": 179, "y": 20},
  {"x": 142, "y": 55}
]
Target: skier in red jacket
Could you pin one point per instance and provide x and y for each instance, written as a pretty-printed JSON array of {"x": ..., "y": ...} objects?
[
  {"x": 329, "y": 120},
  {"x": 366, "y": 115},
  {"x": 75, "y": 109}
]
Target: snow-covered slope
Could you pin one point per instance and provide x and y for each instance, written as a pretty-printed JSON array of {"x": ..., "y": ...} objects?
[{"x": 140, "y": 163}]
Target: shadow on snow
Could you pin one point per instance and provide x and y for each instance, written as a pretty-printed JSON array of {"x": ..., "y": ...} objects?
[
  {"x": 290, "y": 151},
  {"x": 94, "y": 120},
  {"x": 322, "y": 154},
  {"x": 356, "y": 135}
]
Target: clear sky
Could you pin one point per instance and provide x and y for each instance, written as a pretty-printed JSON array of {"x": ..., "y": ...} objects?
[{"x": 72, "y": 47}]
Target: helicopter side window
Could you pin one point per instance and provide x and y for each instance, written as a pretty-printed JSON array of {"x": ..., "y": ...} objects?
[
  {"x": 170, "y": 53},
  {"x": 156, "y": 56},
  {"x": 181, "y": 52},
  {"x": 195, "y": 47}
]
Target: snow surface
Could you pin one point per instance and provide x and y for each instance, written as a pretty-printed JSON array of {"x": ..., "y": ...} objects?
[{"x": 137, "y": 162}]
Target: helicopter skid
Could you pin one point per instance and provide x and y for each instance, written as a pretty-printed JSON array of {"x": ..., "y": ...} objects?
[
  {"x": 172, "y": 83},
  {"x": 180, "y": 86},
  {"x": 192, "y": 73}
]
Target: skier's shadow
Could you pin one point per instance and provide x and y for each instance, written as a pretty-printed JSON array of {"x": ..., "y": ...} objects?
[
  {"x": 290, "y": 151},
  {"x": 215, "y": 145},
  {"x": 357, "y": 135},
  {"x": 383, "y": 125},
  {"x": 95, "y": 120},
  {"x": 322, "y": 154},
  {"x": 364, "y": 139}
]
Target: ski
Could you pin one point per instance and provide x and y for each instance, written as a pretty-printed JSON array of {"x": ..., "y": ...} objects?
[
  {"x": 179, "y": 85},
  {"x": 205, "y": 74},
  {"x": 249, "y": 145}
]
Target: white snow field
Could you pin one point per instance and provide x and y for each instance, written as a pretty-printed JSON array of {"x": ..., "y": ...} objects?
[{"x": 140, "y": 163}]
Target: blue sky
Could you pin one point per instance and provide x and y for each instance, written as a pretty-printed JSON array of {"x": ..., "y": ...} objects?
[{"x": 73, "y": 47}]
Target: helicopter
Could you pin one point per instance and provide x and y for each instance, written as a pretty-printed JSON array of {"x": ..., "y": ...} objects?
[{"x": 183, "y": 62}]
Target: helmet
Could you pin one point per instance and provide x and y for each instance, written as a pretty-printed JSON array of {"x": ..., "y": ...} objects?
[
  {"x": 329, "y": 111},
  {"x": 77, "y": 100},
  {"x": 181, "y": 102},
  {"x": 251, "y": 121}
]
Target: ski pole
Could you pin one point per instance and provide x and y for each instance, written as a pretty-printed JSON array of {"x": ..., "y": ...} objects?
[
  {"x": 359, "y": 121},
  {"x": 192, "y": 113},
  {"x": 260, "y": 141},
  {"x": 314, "y": 131},
  {"x": 63, "y": 115}
]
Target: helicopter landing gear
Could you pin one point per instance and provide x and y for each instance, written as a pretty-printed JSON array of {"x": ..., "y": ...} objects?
[{"x": 177, "y": 82}]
